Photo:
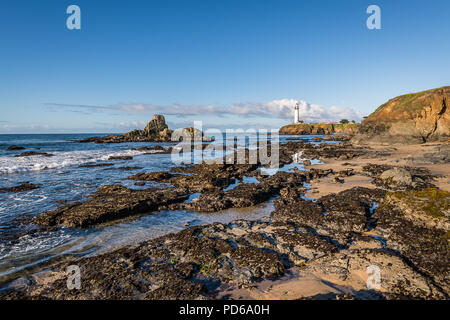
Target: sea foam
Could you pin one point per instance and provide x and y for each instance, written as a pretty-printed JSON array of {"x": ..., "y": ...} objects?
[{"x": 9, "y": 164}]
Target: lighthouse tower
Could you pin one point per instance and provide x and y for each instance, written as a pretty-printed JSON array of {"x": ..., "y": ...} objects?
[{"x": 297, "y": 113}]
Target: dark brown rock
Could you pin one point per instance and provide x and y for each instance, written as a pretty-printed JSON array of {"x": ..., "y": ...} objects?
[
  {"x": 34, "y": 153},
  {"x": 111, "y": 203},
  {"x": 120, "y": 158},
  {"x": 94, "y": 165},
  {"x": 13, "y": 147},
  {"x": 161, "y": 176},
  {"x": 20, "y": 188}
]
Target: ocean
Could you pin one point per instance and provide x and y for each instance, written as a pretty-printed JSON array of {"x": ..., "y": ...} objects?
[{"x": 23, "y": 249}]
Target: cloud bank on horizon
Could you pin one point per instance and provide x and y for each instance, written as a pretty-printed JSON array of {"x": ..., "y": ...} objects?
[
  {"x": 270, "y": 115},
  {"x": 282, "y": 109}
]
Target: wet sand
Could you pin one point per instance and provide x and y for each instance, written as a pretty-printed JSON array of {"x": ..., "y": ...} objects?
[{"x": 397, "y": 155}]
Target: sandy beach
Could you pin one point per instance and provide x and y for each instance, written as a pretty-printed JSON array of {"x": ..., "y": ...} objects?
[
  {"x": 313, "y": 281},
  {"x": 396, "y": 155}
]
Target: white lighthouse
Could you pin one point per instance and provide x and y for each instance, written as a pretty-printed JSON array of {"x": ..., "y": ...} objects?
[{"x": 297, "y": 113}]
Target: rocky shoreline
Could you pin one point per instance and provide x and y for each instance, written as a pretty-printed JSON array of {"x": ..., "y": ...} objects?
[{"x": 398, "y": 220}]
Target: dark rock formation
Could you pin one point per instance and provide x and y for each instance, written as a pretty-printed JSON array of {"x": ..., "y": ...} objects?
[
  {"x": 336, "y": 215},
  {"x": 155, "y": 131},
  {"x": 342, "y": 151},
  {"x": 111, "y": 203},
  {"x": 23, "y": 187},
  {"x": 13, "y": 147},
  {"x": 152, "y": 148},
  {"x": 416, "y": 224},
  {"x": 202, "y": 177},
  {"x": 161, "y": 176},
  {"x": 399, "y": 178},
  {"x": 95, "y": 165},
  {"x": 190, "y": 134},
  {"x": 33, "y": 153},
  {"x": 120, "y": 158}
]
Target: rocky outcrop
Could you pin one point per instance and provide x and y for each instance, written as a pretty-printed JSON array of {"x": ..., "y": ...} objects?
[
  {"x": 33, "y": 153},
  {"x": 160, "y": 176},
  {"x": 111, "y": 203},
  {"x": 190, "y": 133},
  {"x": 96, "y": 165},
  {"x": 14, "y": 147},
  {"x": 155, "y": 131},
  {"x": 20, "y": 188},
  {"x": 244, "y": 194},
  {"x": 399, "y": 178},
  {"x": 120, "y": 158},
  {"x": 411, "y": 118},
  {"x": 429, "y": 207},
  {"x": 320, "y": 128}
]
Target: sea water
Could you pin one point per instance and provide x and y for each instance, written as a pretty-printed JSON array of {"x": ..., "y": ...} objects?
[{"x": 60, "y": 178}]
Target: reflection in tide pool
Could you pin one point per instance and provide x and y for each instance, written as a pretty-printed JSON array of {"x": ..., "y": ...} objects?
[{"x": 297, "y": 164}]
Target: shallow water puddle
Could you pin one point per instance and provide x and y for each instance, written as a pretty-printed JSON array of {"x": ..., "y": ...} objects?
[
  {"x": 296, "y": 164},
  {"x": 232, "y": 186},
  {"x": 245, "y": 179},
  {"x": 382, "y": 240},
  {"x": 308, "y": 188},
  {"x": 373, "y": 207},
  {"x": 192, "y": 197}
]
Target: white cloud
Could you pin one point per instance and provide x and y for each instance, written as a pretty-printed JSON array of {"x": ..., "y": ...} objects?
[
  {"x": 31, "y": 127},
  {"x": 279, "y": 109}
]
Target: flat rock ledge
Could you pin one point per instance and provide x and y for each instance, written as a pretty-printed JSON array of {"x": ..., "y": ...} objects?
[{"x": 111, "y": 203}]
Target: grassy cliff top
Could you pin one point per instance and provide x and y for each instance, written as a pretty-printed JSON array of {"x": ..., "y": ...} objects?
[
  {"x": 322, "y": 125},
  {"x": 411, "y": 102},
  {"x": 313, "y": 128}
]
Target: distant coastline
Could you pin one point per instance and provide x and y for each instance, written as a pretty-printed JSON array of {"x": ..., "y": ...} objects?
[{"x": 319, "y": 128}]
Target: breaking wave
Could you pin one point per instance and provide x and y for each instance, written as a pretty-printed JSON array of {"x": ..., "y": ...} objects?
[{"x": 10, "y": 164}]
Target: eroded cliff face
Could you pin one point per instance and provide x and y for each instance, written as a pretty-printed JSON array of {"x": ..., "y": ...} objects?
[{"x": 411, "y": 118}]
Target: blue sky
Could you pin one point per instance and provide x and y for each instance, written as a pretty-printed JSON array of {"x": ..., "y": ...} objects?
[{"x": 229, "y": 63}]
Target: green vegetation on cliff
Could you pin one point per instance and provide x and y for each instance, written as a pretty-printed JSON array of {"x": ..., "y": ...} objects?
[
  {"x": 410, "y": 102},
  {"x": 407, "y": 119},
  {"x": 320, "y": 128}
]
